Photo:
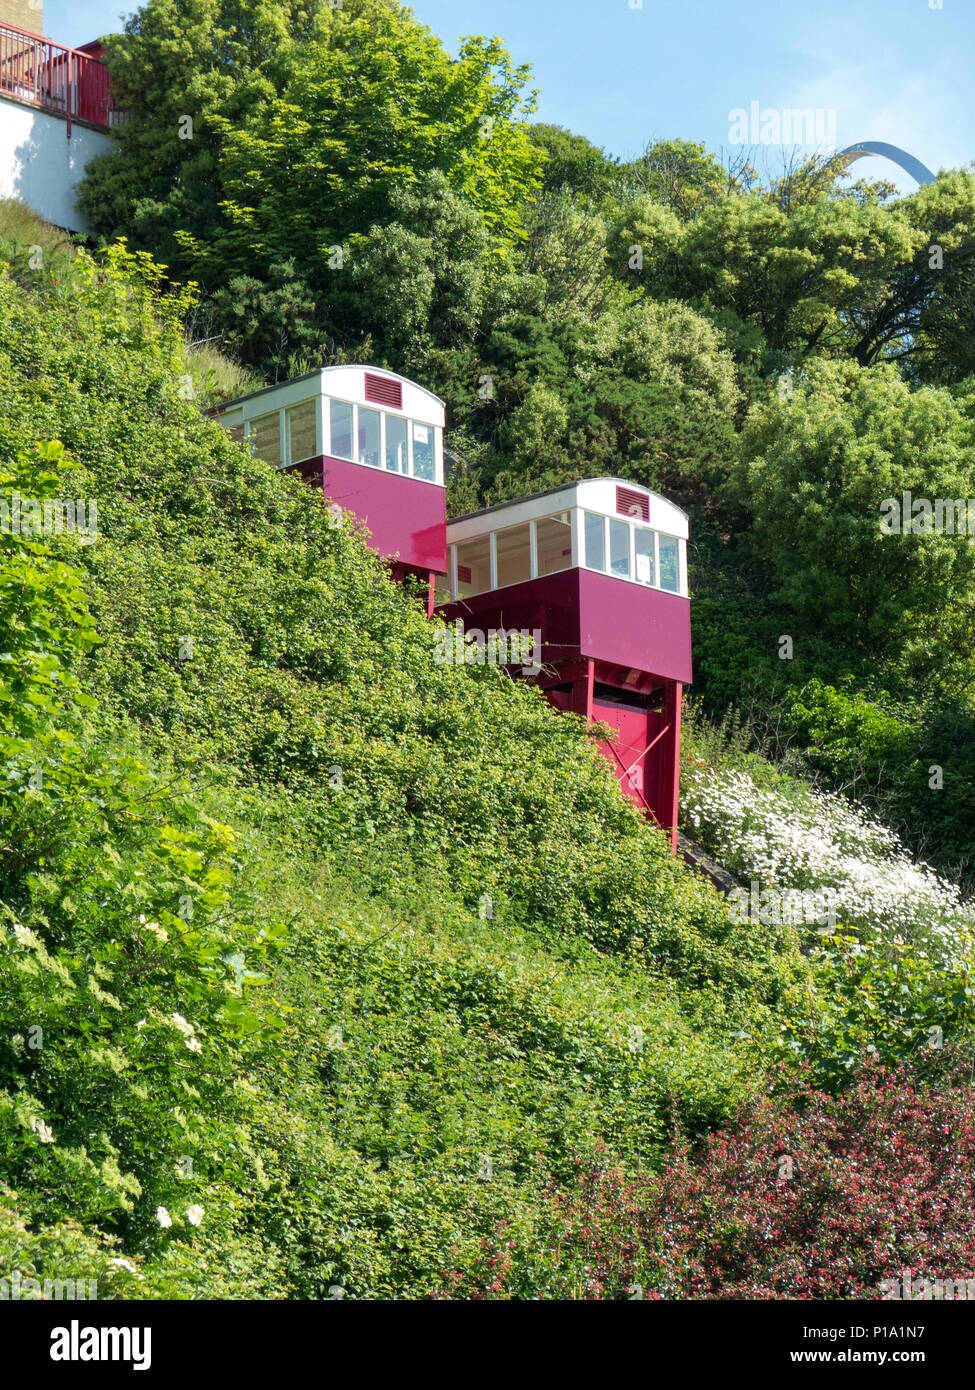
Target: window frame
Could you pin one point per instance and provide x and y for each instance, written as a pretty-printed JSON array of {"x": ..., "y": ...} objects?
[
  {"x": 286, "y": 433},
  {"x": 647, "y": 531},
  {"x": 585, "y": 512},
  {"x": 532, "y": 551},
  {"x": 404, "y": 420},
  {"x": 577, "y": 559},
  {"x": 249, "y": 432},
  {"x": 327, "y": 449},
  {"x": 380, "y": 464},
  {"x": 384, "y": 415},
  {"x": 630, "y": 544},
  {"x": 453, "y": 566},
  {"x": 680, "y": 563},
  {"x": 553, "y": 516},
  {"x": 323, "y": 435}
]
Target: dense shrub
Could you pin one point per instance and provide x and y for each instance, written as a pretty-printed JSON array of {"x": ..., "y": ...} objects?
[
  {"x": 793, "y": 836},
  {"x": 807, "y": 1196}
]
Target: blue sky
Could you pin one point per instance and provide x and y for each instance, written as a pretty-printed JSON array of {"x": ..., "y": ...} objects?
[{"x": 893, "y": 70}]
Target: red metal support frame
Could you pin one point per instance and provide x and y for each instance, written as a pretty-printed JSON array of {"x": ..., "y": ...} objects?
[
  {"x": 672, "y": 713},
  {"x": 582, "y": 692},
  {"x": 652, "y": 744},
  {"x": 638, "y": 791}
]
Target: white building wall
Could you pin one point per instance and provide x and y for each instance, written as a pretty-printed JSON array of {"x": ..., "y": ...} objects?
[{"x": 40, "y": 166}]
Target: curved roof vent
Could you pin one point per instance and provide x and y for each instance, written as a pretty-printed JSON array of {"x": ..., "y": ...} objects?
[
  {"x": 384, "y": 390},
  {"x": 633, "y": 504}
]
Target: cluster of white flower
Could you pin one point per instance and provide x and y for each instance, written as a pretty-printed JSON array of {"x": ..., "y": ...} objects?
[
  {"x": 818, "y": 840},
  {"x": 43, "y": 1131},
  {"x": 188, "y": 1031},
  {"x": 194, "y": 1215},
  {"x": 158, "y": 932},
  {"x": 25, "y": 936}
]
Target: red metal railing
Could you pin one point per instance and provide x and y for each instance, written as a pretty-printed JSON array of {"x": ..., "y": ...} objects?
[{"x": 45, "y": 74}]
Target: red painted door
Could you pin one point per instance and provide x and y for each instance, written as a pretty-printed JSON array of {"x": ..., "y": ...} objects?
[{"x": 627, "y": 751}]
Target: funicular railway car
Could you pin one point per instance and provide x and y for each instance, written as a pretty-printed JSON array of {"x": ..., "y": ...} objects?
[
  {"x": 373, "y": 442},
  {"x": 599, "y": 569}
]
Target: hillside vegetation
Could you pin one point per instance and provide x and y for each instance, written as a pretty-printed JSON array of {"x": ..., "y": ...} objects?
[
  {"x": 779, "y": 354},
  {"x": 352, "y": 951},
  {"x": 331, "y": 971}
]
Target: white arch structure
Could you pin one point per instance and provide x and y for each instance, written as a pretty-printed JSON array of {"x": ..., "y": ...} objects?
[{"x": 918, "y": 171}]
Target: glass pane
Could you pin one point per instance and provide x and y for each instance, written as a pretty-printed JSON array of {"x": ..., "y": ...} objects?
[
  {"x": 441, "y": 589},
  {"x": 370, "y": 423},
  {"x": 595, "y": 543},
  {"x": 669, "y": 565},
  {"x": 266, "y": 438},
  {"x": 473, "y": 567},
  {"x": 644, "y": 556},
  {"x": 554, "y": 539},
  {"x": 619, "y": 549},
  {"x": 397, "y": 456},
  {"x": 341, "y": 421},
  {"x": 302, "y": 431},
  {"x": 236, "y": 432},
  {"x": 514, "y": 555},
  {"x": 423, "y": 455}
]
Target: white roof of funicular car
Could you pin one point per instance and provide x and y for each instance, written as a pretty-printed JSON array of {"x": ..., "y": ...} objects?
[
  {"x": 345, "y": 383},
  {"x": 602, "y": 495}
]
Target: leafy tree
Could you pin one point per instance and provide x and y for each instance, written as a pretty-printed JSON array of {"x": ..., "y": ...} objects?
[
  {"x": 574, "y": 163},
  {"x": 420, "y": 280},
  {"x": 566, "y": 252},
  {"x": 377, "y": 108},
  {"x": 679, "y": 175},
  {"x": 645, "y": 391},
  {"x": 178, "y": 67},
  {"x": 813, "y": 269},
  {"x": 278, "y": 150},
  {"x": 792, "y": 276},
  {"x": 272, "y": 322},
  {"x": 922, "y": 315},
  {"x": 813, "y": 471}
]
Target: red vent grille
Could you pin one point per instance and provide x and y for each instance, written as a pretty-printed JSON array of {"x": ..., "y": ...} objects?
[
  {"x": 633, "y": 504},
  {"x": 463, "y": 574},
  {"x": 384, "y": 391}
]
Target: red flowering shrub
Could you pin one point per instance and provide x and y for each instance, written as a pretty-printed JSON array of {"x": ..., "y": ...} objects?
[
  {"x": 819, "y": 1196},
  {"x": 590, "y": 1248},
  {"x": 807, "y": 1196}
]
